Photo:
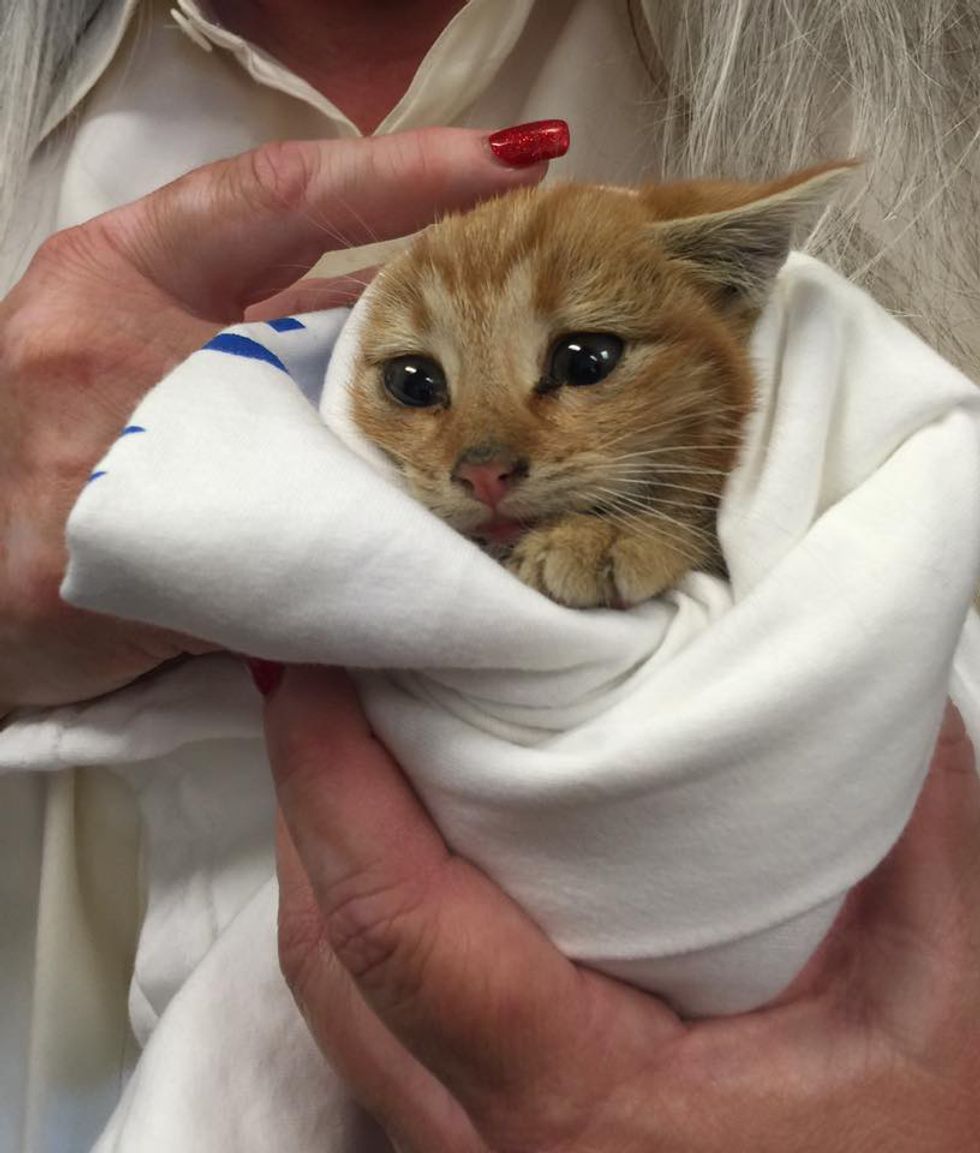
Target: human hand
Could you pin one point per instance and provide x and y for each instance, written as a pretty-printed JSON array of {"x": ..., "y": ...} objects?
[
  {"x": 107, "y": 308},
  {"x": 460, "y": 1027}
]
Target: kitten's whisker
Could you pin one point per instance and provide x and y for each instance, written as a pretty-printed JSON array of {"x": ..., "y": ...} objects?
[
  {"x": 369, "y": 231},
  {"x": 666, "y": 468},
  {"x": 686, "y": 525},
  {"x": 692, "y": 505},
  {"x": 654, "y": 483},
  {"x": 695, "y": 417},
  {"x": 621, "y": 502},
  {"x": 652, "y": 471},
  {"x": 342, "y": 242},
  {"x": 301, "y": 280},
  {"x": 686, "y": 488},
  {"x": 705, "y": 446},
  {"x": 651, "y": 526},
  {"x": 653, "y": 513},
  {"x": 718, "y": 437},
  {"x": 644, "y": 529}
]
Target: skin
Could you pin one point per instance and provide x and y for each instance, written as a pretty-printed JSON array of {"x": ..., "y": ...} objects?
[
  {"x": 460, "y": 1027},
  {"x": 155, "y": 279},
  {"x": 329, "y": 45}
]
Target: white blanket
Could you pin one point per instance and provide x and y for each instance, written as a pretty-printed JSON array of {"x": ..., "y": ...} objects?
[{"x": 681, "y": 794}]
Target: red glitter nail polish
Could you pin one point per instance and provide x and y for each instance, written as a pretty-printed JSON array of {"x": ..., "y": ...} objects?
[
  {"x": 527, "y": 144},
  {"x": 266, "y": 674}
]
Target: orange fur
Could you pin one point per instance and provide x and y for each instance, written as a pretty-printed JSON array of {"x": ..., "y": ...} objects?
[{"x": 623, "y": 477}]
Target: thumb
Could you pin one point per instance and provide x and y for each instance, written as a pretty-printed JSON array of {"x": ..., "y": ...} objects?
[
  {"x": 934, "y": 869},
  {"x": 915, "y": 917},
  {"x": 238, "y": 231},
  {"x": 451, "y": 965},
  {"x": 387, "y": 1080}
]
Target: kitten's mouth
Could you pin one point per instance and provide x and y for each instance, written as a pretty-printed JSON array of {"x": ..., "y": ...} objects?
[{"x": 500, "y": 530}]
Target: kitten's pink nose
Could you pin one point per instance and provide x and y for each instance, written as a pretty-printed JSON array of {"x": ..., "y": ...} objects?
[{"x": 489, "y": 480}]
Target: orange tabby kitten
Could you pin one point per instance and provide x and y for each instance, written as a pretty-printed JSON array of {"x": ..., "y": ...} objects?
[{"x": 562, "y": 373}]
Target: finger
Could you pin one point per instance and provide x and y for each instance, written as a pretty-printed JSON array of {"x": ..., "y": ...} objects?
[
  {"x": 388, "y": 1081},
  {"x": 313, "y": 294},
  {"x": 236, "y": 232},
  {"x": 908, "y": 938},
  {"x": 940, "y": 848},
  {"x": 458, "y": 973}
]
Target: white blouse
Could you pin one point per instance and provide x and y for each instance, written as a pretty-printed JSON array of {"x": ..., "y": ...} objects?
[{"x": 164, "y": 90}]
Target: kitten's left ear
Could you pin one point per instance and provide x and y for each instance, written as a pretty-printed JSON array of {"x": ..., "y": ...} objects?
[{"x": 740, "y": 249}]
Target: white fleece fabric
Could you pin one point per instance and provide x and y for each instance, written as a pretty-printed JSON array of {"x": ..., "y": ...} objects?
[{"x": 681, "y": 794}]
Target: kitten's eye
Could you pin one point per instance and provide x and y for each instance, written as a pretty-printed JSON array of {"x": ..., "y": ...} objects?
[
  {"x": 584, "y": 357},
  {"x": 416, "y": 381}
]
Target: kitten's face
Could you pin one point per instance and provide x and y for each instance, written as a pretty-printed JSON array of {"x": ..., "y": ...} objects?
[
  {"x": 560, "y": 351},
  {"x": 548, "y": 334}
]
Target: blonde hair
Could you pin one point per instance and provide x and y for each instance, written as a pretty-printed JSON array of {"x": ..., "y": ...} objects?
[
  {"x": 37, "y": 54},
  {"x": 749, "y": 89},
  {"x": 754, "y": 88}
]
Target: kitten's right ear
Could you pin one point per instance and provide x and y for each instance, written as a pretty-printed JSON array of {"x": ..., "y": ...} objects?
[{"x": 741, "y": 248}]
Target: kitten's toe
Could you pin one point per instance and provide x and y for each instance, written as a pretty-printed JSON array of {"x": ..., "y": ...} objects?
[
  {"x": 640, "y": 572},
  {"x": 569, "y": 566},
  {"x": 586, "y": 562}
]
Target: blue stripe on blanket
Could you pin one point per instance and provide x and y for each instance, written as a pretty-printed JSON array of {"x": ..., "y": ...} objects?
[
  {"x": 237, "y": 345},
  {"x": 127, "y": 431},
  {"x": 285, "y": 324}
]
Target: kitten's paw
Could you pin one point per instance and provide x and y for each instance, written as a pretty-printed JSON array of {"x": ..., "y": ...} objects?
[
  {"x": 568, "y": 562},
  {"x": 584, "y": 562}
]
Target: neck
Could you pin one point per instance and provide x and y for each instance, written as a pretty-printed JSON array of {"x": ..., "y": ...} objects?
[{"x": 361, "y": 54}]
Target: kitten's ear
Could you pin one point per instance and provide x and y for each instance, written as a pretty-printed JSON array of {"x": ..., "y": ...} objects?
[{"x": 740, "y": 248}]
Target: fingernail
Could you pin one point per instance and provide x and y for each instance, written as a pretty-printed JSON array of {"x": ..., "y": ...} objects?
[
  {"x": 953, "y": 730},
  {"x": 266, "y": 674},
  {"x": 527, "y": 144}
]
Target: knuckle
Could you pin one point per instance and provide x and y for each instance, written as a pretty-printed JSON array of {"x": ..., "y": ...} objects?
[
  {"x": 60, "y": 248},
  {"x": 301, "y": 945},
  {"x": 52, "y": 370},
  {"x": 21, "y": 348},
  {"x": 41, "y": 347},
  {"x": 426, "y": 154},
  {"x": 380, "y": 933},
  {"x": 278, "y": 175},
  {"x": 45, "y": 358},
  {"x": 31, "y": 588},
  {"x": 70, "y": 280},
  {"x": 82, "y": 248}
]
